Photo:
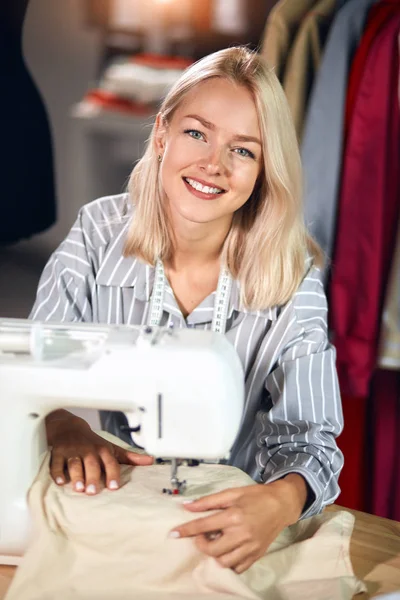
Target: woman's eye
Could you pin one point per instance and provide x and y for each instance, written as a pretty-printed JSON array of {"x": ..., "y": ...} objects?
[
  {"x": 244, "y": 152},
  {"x": 197, "y": 135}
]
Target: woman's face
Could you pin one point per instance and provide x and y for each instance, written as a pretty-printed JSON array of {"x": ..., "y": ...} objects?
[{"x": 211, "y": 152}]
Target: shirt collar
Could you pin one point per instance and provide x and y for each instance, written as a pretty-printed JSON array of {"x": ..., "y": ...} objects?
[
  {"x": 117, "y": 270},
  {"x": 130, "y": 272}
]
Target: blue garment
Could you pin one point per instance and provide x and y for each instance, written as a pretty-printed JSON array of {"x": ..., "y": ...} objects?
[{"x": 321, "y": 149}]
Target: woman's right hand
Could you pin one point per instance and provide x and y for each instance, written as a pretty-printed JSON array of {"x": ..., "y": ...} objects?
[{"x": 86, "y": 457}]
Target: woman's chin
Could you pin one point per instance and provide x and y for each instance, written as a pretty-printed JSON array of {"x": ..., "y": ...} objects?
[{"x": 196, "y": 214}]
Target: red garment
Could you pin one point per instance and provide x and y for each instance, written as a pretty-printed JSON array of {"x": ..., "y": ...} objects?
[
  {"x": 368, "y": 213},
  {"x": 379, "y": 14},
  {"x": 395, "y": 508},
  {"x": 110, "y": 101},
  {"x": 353, "y": 444},
  {"x": 385, "y": 417}
]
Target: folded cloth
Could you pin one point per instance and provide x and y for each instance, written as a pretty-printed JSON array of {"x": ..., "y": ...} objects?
[
  {"x": 116, "y": 545},
  {"x": 144, "y": 78}
]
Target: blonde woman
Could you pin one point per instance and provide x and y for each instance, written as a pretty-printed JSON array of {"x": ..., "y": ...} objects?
[{"x": 215, "y": 198}]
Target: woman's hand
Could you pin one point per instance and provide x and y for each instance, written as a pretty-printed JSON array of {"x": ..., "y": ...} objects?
[
  {"x": 85, "y": 456},
  {"x": 249, "y": 520}
]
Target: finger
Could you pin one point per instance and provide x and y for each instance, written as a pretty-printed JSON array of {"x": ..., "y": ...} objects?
[
  {"x": 57, "y": 467},
  {"x": 126, "y": 457},
  {"x": 245, "y": 565},
  {"x": 75, "y": 472},
  {"x": 214, "y": 501},
  {"x": 92, "y": 473},
  {"x": 224, "y": 519},
  {"x": 216, "y": 522},
  {"x": 224, "y": 544},
  {"x": 112, "y": 469},
  {"x": 238, "y": 556}
]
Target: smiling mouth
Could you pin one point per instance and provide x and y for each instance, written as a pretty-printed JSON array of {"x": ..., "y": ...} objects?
[{"x": 205, "y": 189}]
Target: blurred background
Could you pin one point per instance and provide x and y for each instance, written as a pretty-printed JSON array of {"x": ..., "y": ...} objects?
[{"x": 81, "y": 82}]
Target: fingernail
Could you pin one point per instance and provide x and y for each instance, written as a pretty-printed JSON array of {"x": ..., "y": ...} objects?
[
  {"x": 187, "y": 501},
  {"x": 59, "y": 480},
  {"x": 113, "y": 485},
  {"x": 79, "y": 486},
  {"x": 91, "y": 489},
  {"x": 174, "y": 534}
]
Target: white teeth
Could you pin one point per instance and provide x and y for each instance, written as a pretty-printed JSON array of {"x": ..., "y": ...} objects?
[{"x": 203, "y": 188}]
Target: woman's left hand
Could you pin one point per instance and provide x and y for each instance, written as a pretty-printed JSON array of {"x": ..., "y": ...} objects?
[{"x": 248, "y": 521}]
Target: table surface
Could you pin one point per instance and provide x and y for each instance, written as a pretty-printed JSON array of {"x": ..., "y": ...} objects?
[{"x": 374, "y": 551}]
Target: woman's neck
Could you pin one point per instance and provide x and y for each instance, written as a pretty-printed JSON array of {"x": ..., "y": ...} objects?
[{"x": 197, "y": 244}]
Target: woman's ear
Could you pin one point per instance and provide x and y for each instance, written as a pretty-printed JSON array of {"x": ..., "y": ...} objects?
[{"x": 160, "y": 132}]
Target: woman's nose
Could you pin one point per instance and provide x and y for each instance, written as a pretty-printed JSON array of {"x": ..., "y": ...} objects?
[
  {"x": 212, "y": 168},
  {"x": 214, "y": 162}
]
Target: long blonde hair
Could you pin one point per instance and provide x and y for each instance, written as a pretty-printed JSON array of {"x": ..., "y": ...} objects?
[{"x": 267, "y": 245}]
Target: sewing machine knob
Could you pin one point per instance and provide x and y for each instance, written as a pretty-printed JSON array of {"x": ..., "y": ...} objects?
[
  {"x": 130, "y": 429},
  {"x": 146, "y": 339}
]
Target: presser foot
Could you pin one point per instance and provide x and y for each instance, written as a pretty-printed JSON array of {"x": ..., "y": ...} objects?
[{"x": 177, "y": 487}]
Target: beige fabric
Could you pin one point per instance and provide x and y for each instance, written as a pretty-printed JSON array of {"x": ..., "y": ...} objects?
[
  {"x": 115, "y": 546},
  {"x": 280, "y": 30},
  {"x": 304, "y": 59}
]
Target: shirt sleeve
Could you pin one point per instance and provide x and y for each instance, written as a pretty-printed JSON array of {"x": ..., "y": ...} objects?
[
  {"x": 64, "y": 291},
  {"x": 299, "y": 431}
]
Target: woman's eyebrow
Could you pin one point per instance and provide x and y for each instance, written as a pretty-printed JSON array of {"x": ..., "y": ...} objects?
[
  {"x": 202, "y": 120},
  {"x": 247, "y": 138},
  {"x": 211, "y": 126}
]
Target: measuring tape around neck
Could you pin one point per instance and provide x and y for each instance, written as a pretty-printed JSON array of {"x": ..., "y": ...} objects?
[{"x": 220, "y": 313}]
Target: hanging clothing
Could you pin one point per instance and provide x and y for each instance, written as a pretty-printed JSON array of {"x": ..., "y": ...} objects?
[
  {"x": 28, "y": 203},
  {"x": 304, "y": 59},
  {"x": 385, "y": 421},
  {"x": 280, "y": 30},
  {"x": 354, "y": 443},
  {"x": 368, "y": 215},
  {"x": 321, "y": 149},
  {"x": 389, "y": 348},
  {"x": 378, "y": 16}
]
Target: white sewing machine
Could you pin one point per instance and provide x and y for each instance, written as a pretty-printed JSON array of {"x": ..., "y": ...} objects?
[{"x": 184, "y": 388}]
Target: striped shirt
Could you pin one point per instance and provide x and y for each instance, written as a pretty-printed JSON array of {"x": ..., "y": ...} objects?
[{"x": 292, "y": 409}]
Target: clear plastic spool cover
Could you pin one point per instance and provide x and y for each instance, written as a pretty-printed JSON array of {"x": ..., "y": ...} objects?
[{"x": 49, "y": 342}]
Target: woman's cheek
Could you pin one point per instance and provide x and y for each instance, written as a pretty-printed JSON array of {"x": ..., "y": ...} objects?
[
  {"x": 182, "y": 151},
  {"x": 246, "y": 179}
]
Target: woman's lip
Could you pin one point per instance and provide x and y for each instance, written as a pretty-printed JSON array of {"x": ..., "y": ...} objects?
[{"x": 198, "y": 194}]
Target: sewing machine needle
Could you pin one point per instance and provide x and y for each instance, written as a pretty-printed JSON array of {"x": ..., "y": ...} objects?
[{"x": 174, "y": 473}]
